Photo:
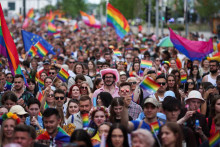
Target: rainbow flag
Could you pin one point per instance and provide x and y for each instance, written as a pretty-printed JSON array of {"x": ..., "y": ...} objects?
[
  {"x": 63, "y": 75},
  {"x": 30, "y": 14},
  {"x": 117, "y": 53},
  {"x": 51, "y": 28},
  {"x": 146, "y": 64},
  {"x": 143, "y": 50},
  {"x": 154, "y": 127},
  {"x": 149, "y": 85},
  {"x": 194, "y": 50},
  {"x": 76, "y": 28},
  {"x": 51, "y": 17},
  {"x": 55, "y": 59},
  {"x": 59, "y": 28},
  {"x": 41, "y": 50},
  {"x": 56, "y": 35},
  {"x": 33, "y": 51},
  {"x": 90, "y": 20},
  {"x": 214, "y": 140},
  {"x": 40, "y": 96},
  {"x": 85, "y": 119},
  {"x": 41, "y": 82},
  {"x": 0, "y": 63},
  {"x": 183, "y": 78},
  {"x": 116, "y": 20},
  {"x": 214, "y": 57},
  {"x": 8, "y": 85},
  {"x": 8, "y": 47}
]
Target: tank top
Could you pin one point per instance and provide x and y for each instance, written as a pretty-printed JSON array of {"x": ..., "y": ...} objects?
[{"x": 211, "y": 80}]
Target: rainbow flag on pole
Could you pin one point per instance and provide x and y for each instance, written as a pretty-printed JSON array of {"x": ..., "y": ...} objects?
[
  {"x": 33, "y": 51},
  {"x": 155, "y": 127},
  {"x": 146, "y": 64},
  {"x": 40, "y": 96},
  {"x": 90, "y": 20},
  {"x": 30, "y": 13},
  {"x": 41, "y": 50},
  {"x": 51, "y": 28},
  {"x": 8, "y": 47},
  {"x": 214, "y": 141},
  {"x": 76, "y": 27},
  {"x": 63, "y": 75},
  {"x": 183, "y": 78},
  {"x": 149, "y": 85},
  {"x": 41, "y": 82},
  {"x": 116, "y": 20}
]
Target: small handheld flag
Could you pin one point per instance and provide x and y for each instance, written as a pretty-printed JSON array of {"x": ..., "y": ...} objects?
[
  {"x": 33, "y": 51},
  {"x": 149, "y": 85},
  {"x": 146, "y": 64},
  {"x": 76, "y": 28},
  {"x": 51, "y": 28},
  {"x": 154, "y": 127},
  {"x": 56, "y": 35},
  {"x": 117, "y": 53},
  {"x": 63, "y": 75},
  {"x": 85, "y": 119},
  {"x": 183, "y": 78}
]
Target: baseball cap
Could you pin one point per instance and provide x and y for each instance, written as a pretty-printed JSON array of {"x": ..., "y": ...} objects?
[
  {"x": 152, "y": 101},
  {"x": 46, "y": 61},
  {"x": 122, "y": 73},
  {"x": 17, "y": 109}
]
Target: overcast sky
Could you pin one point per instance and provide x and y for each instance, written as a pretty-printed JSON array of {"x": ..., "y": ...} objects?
[{"x": 94, "y": 1}]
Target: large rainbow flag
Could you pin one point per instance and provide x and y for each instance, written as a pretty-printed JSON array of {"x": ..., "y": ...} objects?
[
  {"x": 8, "y": 48},
  {"x": 90, "y": 20},
  {"x": 116, "y": 20},
  {"x": 194, "y": 50}
]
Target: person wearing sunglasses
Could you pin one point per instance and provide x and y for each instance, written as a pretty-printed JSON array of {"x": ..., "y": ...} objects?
[
  {"x": 133, "y": 109},
  {"x": 190, "y": 85},
  {"x": 137, "y": 93},
  {"x": 159, "y": 95},
  {"x": 85, "y": 89},
  {"x": 52, "y": 73},
  {"x": 60, "y": 100},
  {"x": 21, "y": 113},
  {"x": 110, "y": 78}
]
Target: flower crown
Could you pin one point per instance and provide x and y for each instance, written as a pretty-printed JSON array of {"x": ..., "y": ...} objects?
[
  {"x": 101, "y": 108},
  {"x": 12, "y": 116}
]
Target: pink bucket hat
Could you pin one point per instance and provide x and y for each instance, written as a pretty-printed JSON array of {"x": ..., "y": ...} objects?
[{"x": 110, "y": 71}]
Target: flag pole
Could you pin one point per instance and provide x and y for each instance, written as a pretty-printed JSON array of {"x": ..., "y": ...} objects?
[{"x": 107, "y": 1}]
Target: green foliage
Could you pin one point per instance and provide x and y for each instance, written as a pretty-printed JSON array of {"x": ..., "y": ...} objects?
[
  {"x": 207, "y": 8},
  {"x": 129, "y": 8},
  {"x": 49, "y": 7},
  {"x": 177, "y": 27},
  {"x": 72, "y": 7}
]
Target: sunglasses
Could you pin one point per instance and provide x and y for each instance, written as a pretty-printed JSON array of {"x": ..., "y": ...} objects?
[
  {"x": 125, "y": 90},
  {"x": 51, "y": 73},
  {"x": 9, "y": 77},
  {"x": 162, "y": 83},
  {"x": 83, "y": 87},
  {"x": 190, "y": 83},
  {"x": 72, "y": 62},
  {"x": 61, "y": 98},
  {"x": 133, "y": 83},
  {"x": 50, "y": 95},
  {"x": 22, "y": 116}
]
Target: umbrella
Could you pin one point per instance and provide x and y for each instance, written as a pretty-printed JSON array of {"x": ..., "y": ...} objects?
[{"x": 165, "y": 42}]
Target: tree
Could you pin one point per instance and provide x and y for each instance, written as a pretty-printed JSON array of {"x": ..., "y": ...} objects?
[
  {"x": 72, "y": 7},
  {"x": 207, "y": 8}
]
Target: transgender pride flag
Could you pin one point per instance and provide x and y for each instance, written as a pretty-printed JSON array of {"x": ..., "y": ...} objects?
[
  {"x": 194, "y": 50},
  {"x": 90, "y": 20}
]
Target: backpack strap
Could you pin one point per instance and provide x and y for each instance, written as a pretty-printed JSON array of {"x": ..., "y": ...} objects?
[{"x": 72, "y": 119}]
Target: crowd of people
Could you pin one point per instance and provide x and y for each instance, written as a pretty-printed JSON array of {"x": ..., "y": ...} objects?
[{"x": 101, "y": 103}]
